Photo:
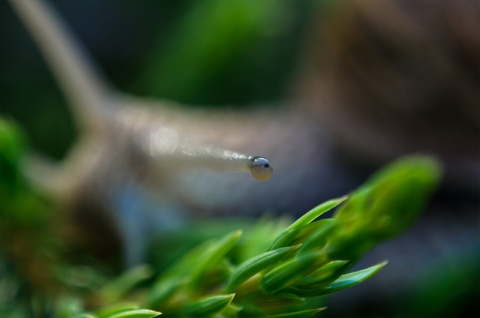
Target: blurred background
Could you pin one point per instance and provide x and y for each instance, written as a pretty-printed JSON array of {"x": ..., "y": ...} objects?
[
  {"x": 382, "y": 79},
  {"x": 211, "y": 53}
]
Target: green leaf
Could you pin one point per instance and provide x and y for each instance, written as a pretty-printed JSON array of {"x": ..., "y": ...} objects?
[
  {"x": 391, "y": 199},
  {"x": 288, "y": 272},
  {"x": 355, "y": 278},
  {"x": 136, "y": 313},
  {"x": 254, "y": 265},
  {"x": 308, "y": 217},
  {"x": 66, "y": 306},
  {"x": 279, "y": 303},
  {"x": 318, "y": 239},
  {"x": 122, "y": 284},
  {"x": 213, "y": 256},
  {"x": 114, "y": 309},
  {"x": 345, "y": 281},
  {"x": 231, "y": 310},
  {"x": 209, "y": 306},
  {"x": 325, "y": 274},
  {"x": 300, "y": 314},
  {"x": 163, "y": 289},
  {"x": 12, "y": 149},
  {"x": 183, "y": 266},
  {"x": 291, "y": 231},
  {"x": 284, "y": 239}
]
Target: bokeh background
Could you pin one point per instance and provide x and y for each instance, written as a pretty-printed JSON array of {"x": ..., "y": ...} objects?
[
  {"x": 212, "y": 53},
  {"x": 383, "y": 79}
]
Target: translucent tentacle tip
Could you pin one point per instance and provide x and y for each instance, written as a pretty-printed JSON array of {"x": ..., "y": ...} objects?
[{"x": 261, "y": 168}]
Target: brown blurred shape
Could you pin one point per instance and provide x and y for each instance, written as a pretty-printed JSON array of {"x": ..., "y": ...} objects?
[{"x": 396, "y": 77}]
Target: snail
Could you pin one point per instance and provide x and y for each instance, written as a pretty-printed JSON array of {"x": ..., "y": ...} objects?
[
  {"x": 126, "y": 150},
  {"x": 124, "y": 170}
]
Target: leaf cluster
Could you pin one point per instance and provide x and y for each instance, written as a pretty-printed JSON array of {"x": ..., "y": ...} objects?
[
  {"x": 271, "y": 269},
  {"x": 306, "y": 260}
]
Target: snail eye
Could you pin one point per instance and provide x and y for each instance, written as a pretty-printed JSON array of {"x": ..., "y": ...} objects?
[{"x": 261, "y": 168}]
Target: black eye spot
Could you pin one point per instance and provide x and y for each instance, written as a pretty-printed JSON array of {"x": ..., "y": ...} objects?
[{"x": 266, "y": 165}]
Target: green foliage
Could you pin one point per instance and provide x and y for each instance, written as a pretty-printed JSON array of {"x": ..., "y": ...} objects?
[
  {"x": 25, "y": 232},
  {"x": 12, "y": 146},
  {"x": 216, "y": 39},
  {"x": 384, "y": 206},
  {"x": 256, "y": 264},
  {"x": 208, "y": 306},
  {"x": 269, "y": 269},
  {"x": 17, "y": 199},
  {"x": 128, "y": 313},
  {"x": 306, "y": 260}
]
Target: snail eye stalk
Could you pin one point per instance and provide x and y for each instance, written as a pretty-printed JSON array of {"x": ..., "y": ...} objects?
[
  {"x": 167, "y": 148},
  {"x": 92, "y": 99}
]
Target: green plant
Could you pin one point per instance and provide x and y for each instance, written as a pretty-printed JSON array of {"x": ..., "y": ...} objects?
[
  {"x": 271, "y": 268},
  {"x": 306, "y": 260}
]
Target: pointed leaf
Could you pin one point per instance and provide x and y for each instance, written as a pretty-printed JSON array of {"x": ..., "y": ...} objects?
[
  {"x": 284, "y": 238},
  {"x": 345, "y": 281},
  {"x": 254, "y": 265},
  {"x": 307, "y": 218},
  {"x": 318, "y": 239},
  {"x": 279, "y": 303},
  {"x": 137, "y": 313},
  {"x": 288, "y": 272},
  {"x": 325, "y": 274},
  {"x": 231, "y": 310},
  {"x": 352, "y": 279},
  {"x": 163, "y": 289},
  {"x": 114, "y": 309},
  {"x": 209, "y": 306},
  {"x": 213, "y": 256},
  {"x": 184, "y": 265},
  {"x": 300, "y": 314}
]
